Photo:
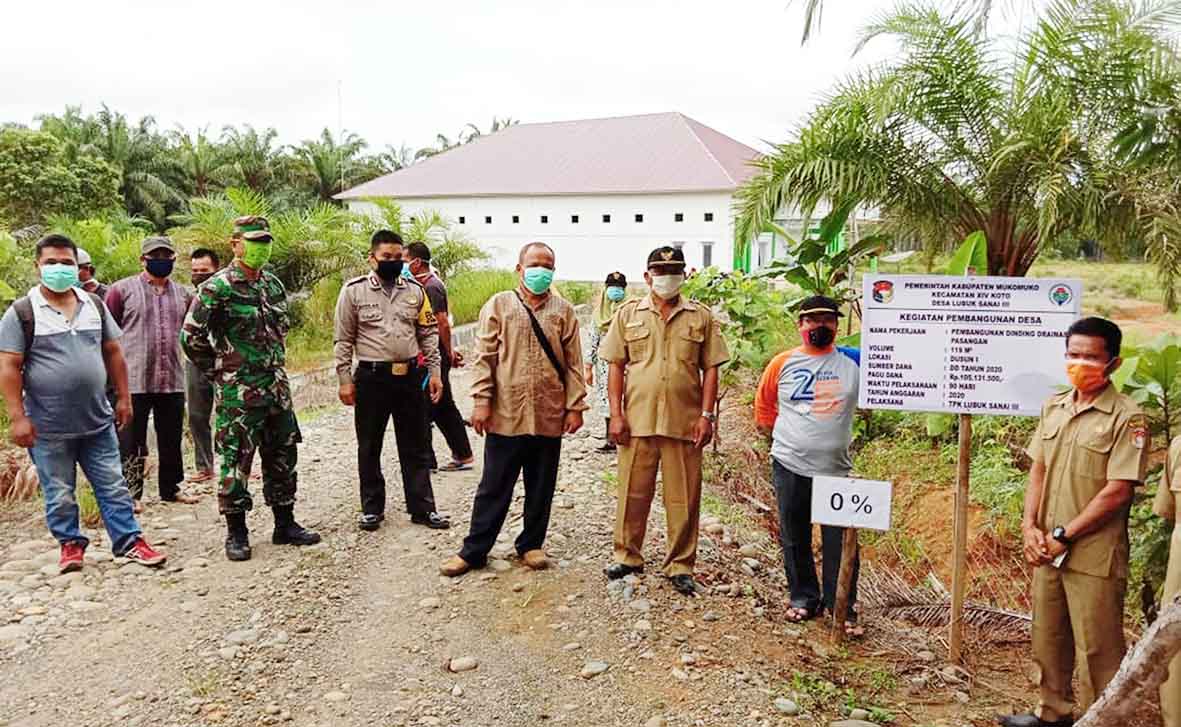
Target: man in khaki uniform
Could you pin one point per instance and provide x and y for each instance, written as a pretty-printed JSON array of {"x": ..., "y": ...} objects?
[
  {"x": 1089, "y": 452},
  {"x": 669, "y": 349},
  {"x": 1167, "y": 500},
  {"x": 385, "y": 320}
]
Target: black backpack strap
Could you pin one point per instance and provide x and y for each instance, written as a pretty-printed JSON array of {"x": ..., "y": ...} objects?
[
  {"x": 24, "y": 313},
  {"x": 541, "y": 339},
  {"x": 102, "y": 313}
]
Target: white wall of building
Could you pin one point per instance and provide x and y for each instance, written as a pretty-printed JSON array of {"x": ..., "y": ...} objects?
[{"x": 590, "y": 248}]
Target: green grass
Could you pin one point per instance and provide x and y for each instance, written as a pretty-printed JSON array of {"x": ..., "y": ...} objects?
[{"x": 467, "y": 292}]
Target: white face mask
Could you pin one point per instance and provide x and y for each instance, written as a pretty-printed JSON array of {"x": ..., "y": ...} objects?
[{"x": 667, "y": 286}]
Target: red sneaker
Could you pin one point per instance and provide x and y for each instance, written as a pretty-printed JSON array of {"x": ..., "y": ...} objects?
[
  {"x": 144, "y": 554},
  {"x": 71, "y": 558}
]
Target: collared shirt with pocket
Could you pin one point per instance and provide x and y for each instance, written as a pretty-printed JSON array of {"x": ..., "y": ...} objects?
[
  {"x": 664, "y": 363},
  {"x": 513, "y": 375},
  {"x": 64, "y": 372},
  {"x": 375, "y": 324},
  {"x": 1083, "y": 450}
]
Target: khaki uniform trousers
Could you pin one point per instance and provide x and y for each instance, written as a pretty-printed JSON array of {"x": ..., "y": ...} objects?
[
  {"x": 1075, "y": 616},
  {"x": 680, "y": 463},
  {"x": 1170, "y": 691}
]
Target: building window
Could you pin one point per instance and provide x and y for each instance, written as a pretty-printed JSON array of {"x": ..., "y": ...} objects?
[
  {"x": 679, "y": 217},
  {"x": 606, "y": 218},
  {"x": 544, "y": 219},
  {"x": 574, "y": 219},
  {"x": 487, "y": 220},
  {"x": 462, "y": 220},
  {"x": 516, "y": 219},
  {"x": 639, "y": 217},
  {"x": 709, "y": 217},
  {"x": 707, "y": 253}
]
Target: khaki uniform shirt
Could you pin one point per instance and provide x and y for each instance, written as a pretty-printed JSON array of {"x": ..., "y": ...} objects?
[
  {"x": 514, "y": 376},
  {"x": 1083, "y": 450},
  {"x": 664, "y": 361},
  {"x": 375, "y": 325},
  {"x": 1165, "y": 505}
]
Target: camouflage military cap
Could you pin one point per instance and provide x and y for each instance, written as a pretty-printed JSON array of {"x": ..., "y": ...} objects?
[{"x": 252, "y": 227}]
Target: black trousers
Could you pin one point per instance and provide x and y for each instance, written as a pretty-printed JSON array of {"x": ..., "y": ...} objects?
[
  {"x": 446, "y": 416},
  {"x": 504, "y": 460},
  {"x": 794, "y": 494},
  {"x": 168, "y": 412},
  {"x": 380, "y": 396}
]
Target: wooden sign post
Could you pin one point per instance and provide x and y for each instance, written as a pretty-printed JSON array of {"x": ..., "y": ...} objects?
[
  {"x": 852, "y": 504},
  {"x": 959, "y": 573}
]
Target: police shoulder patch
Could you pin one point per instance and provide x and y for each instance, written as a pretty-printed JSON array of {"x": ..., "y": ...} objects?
[{"x": 357, "y": 279}]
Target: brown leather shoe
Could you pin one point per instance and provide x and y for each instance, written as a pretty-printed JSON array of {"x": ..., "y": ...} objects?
[
  {"x": 454, "y": 566},
  {"x": 535, "y": 559}
]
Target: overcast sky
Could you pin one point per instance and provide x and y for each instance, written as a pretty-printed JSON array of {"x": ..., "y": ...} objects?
[{"x": 407, "y": 70}]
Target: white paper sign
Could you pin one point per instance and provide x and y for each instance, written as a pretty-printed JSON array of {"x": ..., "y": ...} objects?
[
  {"x": 964, "y": 345},
  {"x": 852, "y": 503}
]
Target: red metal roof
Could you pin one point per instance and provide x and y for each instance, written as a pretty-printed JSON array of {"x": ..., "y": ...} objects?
[{"x": 646, "y": 154}]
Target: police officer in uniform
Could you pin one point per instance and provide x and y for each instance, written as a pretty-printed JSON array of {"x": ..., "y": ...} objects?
[
  {"x": 1168, "y": 497},
  {"x": 669, "y": 349},
  {"x": 385, "y": 320},
  {"x": 234, "y": 335},
  {"x": 1089, "y": 452}
]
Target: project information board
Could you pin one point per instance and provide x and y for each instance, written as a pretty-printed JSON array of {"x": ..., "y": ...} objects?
[{"x": 964, "y": 345}]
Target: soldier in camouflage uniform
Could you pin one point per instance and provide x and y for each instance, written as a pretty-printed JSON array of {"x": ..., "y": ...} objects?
[{"x": 234, "y": 335}]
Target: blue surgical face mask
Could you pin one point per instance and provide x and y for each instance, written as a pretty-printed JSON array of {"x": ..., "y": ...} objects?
[
  {"x": 59, "y": 277},
  {"x": 538, "y": 279},
  {"x": 406, "y": 272},
  {"x": 615, "y": 293}
]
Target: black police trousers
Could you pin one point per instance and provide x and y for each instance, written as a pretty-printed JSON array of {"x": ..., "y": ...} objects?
[{"x": 380, "y": 396}]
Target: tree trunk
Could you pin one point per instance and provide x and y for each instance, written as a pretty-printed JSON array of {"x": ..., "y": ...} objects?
[{"x": 1140, "y": 676}]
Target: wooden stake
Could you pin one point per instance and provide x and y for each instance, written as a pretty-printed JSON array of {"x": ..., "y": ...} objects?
[
  {"x": 959, "y": 573},
  {"x": 840, "y": 609}
]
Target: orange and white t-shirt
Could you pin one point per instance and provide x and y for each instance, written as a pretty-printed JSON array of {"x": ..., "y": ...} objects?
[{"x": 808, "y": 401}]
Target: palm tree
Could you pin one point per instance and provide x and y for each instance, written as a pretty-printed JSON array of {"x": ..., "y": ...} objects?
[
  {"x": 140, "y": 154},
  {"x": 203, "y": 163},
  {"x": 956, "y": 137},
  {"x": 326, "y": 162},
  {"x": 442, "y": 144},
  {"x": 394, "y": 158},
  {"x": 252, "y": 154},
  {"x": 469, "y": 133},
  {"x": 76, "y": 132},
  {"x": 980, "y": 10}
]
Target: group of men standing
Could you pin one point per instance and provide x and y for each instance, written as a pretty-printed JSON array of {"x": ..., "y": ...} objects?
[{"x": 74, "y": 370}]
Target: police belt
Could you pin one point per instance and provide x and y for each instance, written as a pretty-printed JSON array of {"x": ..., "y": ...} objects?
[{"x": 393, "y": 368}]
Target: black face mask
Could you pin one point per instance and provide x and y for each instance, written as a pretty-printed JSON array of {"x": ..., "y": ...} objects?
[
  {"x": 821, "y": 337},
  {"x": 389, "y": 270},
  {"x": 199, "y": 278},
  {"x": 159, "y": 268}
]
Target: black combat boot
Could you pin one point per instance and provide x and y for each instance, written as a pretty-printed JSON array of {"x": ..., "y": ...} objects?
[
  {"x": 237, "y": 537},
  {"x": 289, "y": 532}
]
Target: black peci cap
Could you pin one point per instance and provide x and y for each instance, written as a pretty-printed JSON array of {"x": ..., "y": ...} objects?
[
  {"x": 616, "y": 279},
  {"x": 667, "y": 255},
  {"x": 820, "y": 304}
]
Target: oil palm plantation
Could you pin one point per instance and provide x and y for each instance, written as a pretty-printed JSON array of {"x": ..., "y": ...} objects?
[
  {"x": 203, "y": 164},
  {"x": 328, "y": 163},
  {"x": 964, "y": 133},
  {"x": 252, "y": 154}
]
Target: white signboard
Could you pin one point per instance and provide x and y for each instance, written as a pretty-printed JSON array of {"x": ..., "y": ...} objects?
[
  {"x": 964, "y": 345},
  {"x": 852, "y": 503}
]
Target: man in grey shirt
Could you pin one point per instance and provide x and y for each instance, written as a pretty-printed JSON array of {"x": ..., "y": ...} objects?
[{"x": 58, "y": 345}]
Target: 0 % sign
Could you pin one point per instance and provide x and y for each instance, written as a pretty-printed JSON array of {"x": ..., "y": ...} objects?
[{"x": 849, "y": 502}]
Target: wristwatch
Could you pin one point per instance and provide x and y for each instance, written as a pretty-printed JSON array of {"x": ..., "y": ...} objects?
[
  {"x": 710, "y": 416},
  {"x": 1059, "y": 534}
]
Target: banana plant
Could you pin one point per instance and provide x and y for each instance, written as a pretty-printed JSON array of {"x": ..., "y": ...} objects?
[{"x": 817, "y": 267}]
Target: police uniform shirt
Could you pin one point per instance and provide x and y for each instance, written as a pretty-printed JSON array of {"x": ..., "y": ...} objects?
[
  {"x": 374, "y": 324},
  {"x": 664, "y": 360},
  {"x": 1082, "y": 450}
]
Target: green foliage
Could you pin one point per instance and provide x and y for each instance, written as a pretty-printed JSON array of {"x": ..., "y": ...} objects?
[
  {"x": 467, "y": 292},
  {"x": 817, "y": 267},
  {"x": 1150, "y": 537},
  {"x": 1152, "y": 377},
  {"x": 38, "y": 180},
  {"x": 452, "y": 252},
  {"x": 755, "y": 317},
  {"x": 971, "y": 257},
  {"x": 310, "y": 341},
  {"x": 960, "y": 132},
  {"x": 113, "y": 241},
  {"x": 578, "y": 293},
  {"x": 16, "y": 270}
]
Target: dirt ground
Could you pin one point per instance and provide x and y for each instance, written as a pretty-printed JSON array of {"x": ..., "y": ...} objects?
[{"x": 361, "y": 630}]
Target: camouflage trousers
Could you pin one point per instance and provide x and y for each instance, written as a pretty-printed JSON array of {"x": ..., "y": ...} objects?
[{"x": 274, "y": 432}]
